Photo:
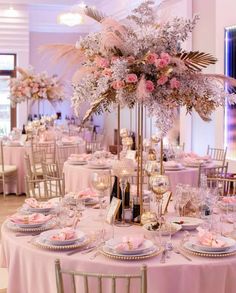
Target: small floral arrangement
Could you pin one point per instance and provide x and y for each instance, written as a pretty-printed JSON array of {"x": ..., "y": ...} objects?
[
  {"x": 141, "y": 61},
  {"x": 31, "y": 86},
  {"x": 40, "y": 124}
]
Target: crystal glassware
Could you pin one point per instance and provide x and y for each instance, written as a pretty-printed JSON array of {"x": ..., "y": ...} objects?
[
  {"x": 123, "y": 169},
  {"x": 101, "y": 182},
  {"x": 159, "y": 185}
]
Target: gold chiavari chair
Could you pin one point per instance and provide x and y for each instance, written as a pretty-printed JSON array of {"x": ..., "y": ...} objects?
[
  {"x": 45, "y": 188},
  {"x": 226, "y": 186},
  {"x": 8, "y": 173},
  {"x": 212, "y": 172},
  {"x": 217, "y": 154},
  {"x": 142, "y": 277},
  {"x": 42, "y": 152}
]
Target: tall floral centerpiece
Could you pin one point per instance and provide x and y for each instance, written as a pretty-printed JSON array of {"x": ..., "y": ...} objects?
[
  {"x": 29, "y": 86},
  {"x": 140, "y": 60}
]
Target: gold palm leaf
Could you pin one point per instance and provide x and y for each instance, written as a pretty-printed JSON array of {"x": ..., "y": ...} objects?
[
  {"x": 196, "y": 60},
  {"x": 94, "y": 107},
  {"x": 94, "y": 13}
]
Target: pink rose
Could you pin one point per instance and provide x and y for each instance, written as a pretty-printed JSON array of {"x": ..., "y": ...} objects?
[
  {"x": 166, "y": 57},
  {"x": 174, "y": 83},
  {"x": 131, "y": 78},
  {"x": 149, "y": 86},
  {"x": 162, "y": 80},
  {"x": 107, "y": 72},
  {"x": 130, "y": 59},
  {"x": 151, "y": 58},
  {"x": 161, "y": 63},
  {"x": 102, "y": 62},
  {"x": 118, "y": 84}
]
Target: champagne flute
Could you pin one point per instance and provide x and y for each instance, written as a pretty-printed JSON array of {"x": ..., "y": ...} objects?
[{"x": 101, "y": 182}]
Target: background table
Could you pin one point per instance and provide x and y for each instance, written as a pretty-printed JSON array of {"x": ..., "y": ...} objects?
[
  {"x": 32, "y": 269},
  {"x": 78, "y": 177}
]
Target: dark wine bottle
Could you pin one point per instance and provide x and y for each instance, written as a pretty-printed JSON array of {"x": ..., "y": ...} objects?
[
  {"x": 23, "y": 129},
  {"x": 136, "y": 210},
  {"x": 114, "y": 193},
  {"x": 127, "y": 196}
]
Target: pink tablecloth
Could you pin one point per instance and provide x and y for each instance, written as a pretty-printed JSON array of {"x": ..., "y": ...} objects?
[
  {"x": 78, "y": 177},
  {"x": 32, "y": 269},
  {"x": 185, "y": 176},
  {"x": 14, "y": 155}
]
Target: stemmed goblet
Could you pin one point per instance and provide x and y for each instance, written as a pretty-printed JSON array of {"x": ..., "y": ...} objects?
[{"x": 101, "y": 182}]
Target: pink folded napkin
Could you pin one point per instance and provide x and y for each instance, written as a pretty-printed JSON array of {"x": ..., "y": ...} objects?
[
  {"x": 229, "y": 199},
  {"x": 129, "y": 243},
  {"x": 33, "y": 203},
  {"x": 210, "y": 239},
  {"x": 64, "y": 234},
  {"x": 30, "y": 219},
  {"x": 88, "y": 192}
]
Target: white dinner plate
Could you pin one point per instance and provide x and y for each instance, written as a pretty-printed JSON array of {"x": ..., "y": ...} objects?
[
  {"x": 74, "y": 162},
  {"x": 187, "y": 223},
  {"x": 146, "y": 246},
  {"x": 46, "y": 236},
  {"x": 45, "y": 226},
  {"x": 229, "y": 242},
  {"x": 154, "y": 250},
  {"x": 189, "y": 246},
  {"x": 40, "y": 210}
]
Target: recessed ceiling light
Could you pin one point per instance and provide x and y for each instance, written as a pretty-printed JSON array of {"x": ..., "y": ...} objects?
[{"x": 70, "y": 18}]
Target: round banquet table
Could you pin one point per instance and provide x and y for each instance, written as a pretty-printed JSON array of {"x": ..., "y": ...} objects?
[
  {"x": 31, "y": 269},
  {"x": 14, "y": 155},
  {"x": 78, "y": 177}
]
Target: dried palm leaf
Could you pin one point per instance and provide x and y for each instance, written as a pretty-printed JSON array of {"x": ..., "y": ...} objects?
[
  {"x": 166, "y": 3},
  {"x": 94, "y": 106},
  {"x": 81, "y": 73},
  {"x": 230, "y": 81},
  {"x": 94, "y": 13},
  {"x": 63, "y": 51},
  {"x": 24, "y": 72},
  {"x": 196, "y": 60}
]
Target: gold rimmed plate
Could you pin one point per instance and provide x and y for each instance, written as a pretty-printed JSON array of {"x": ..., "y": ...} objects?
[
  {"x": 190, "y": 248},
  {"x": 43, "y": 243},
  {"x": 46, "y": 226},
  {"x": 112, "y": 254}
]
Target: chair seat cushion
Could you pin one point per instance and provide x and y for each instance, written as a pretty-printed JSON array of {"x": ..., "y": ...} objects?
[{"x": 8, "y": 169}]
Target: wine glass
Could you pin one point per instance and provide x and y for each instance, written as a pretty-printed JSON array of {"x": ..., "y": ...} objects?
[
  {"x": 159, "y": 185},
  {"x": 101, "y": 182}
]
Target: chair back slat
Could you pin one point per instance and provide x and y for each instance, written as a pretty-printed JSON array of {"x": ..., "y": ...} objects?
[
  {"x": 73, "y": 283},
  {"x": 142, "y": 278},
  {"x": 217, "y": 154},
  {"x": 86, "y": 287},
  {"x": 227, "y": 186}
]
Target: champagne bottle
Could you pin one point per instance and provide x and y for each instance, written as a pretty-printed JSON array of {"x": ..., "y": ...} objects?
[
  {"x": 23, "y": 129},
  {"x": 127, "y": 196},
  {"x": 114, "y": 193}
]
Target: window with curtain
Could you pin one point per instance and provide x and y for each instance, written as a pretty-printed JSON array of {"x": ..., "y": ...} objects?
[
  {"x": 7, "y": 114},
  {"x": 230, "y": 111}
]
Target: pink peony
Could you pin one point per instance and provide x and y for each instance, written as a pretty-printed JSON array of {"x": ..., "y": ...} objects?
[
  {"x": 151, "y": 58},
  {"x": 131, "y": 78},
  {"x": 149, "y": 86},
  {"x": 118, "y": 84},
  {"x": 166, "y": 57},
  {"x": 174, "y": 83},
  {"x": 161, "y": 63},
  {"x": 162, "y": 80}
]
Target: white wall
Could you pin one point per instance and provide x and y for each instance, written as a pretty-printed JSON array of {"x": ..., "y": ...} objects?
[
  {"x": 215, "y": 15},
  {"x": 14, "y": 38}
]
